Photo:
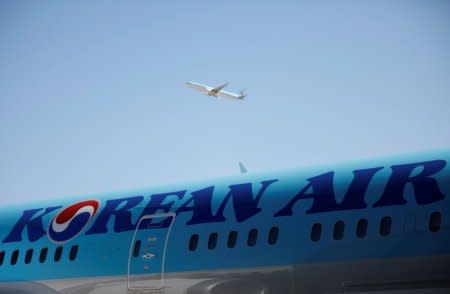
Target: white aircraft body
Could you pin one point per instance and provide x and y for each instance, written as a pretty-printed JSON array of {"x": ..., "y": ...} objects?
[{"x": 216, "y": 91}]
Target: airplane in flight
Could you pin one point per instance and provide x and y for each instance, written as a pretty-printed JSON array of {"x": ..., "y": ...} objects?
[
  {"x": 216, "y": 91},
  {"x": 369, "y": 226}
]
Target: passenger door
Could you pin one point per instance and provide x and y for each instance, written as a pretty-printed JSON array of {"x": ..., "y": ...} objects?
[{"x": 147, "y": 254}]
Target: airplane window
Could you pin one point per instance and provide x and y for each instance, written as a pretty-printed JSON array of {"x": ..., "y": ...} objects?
[
  {"x": 43, "y": 255},
  {"x": 435, "y": 222},
  {"x": 2, "y": 257},
  {"x": 14, "y": 257},
  {"x": 232, "y": 238},
  {"x": 212, "y": 241},
  {"x": 361, "y": 228},
  {"x": 73, "y": 252},
  {"x": 338, "y": 232},
  {"x": 385, "y": 226},
  {"x": 193, "y": 243},
  {"x": 28, "y": 256},
  {"x": 137, "y": 248},
  {"x": 316, "y": 232},
  {"x": 252, "y": 236},
  {"x": 58, "y": 253},
  {"x": 273, "y": 236}
]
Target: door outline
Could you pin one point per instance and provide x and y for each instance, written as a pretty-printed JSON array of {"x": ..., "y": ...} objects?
[{"x": 163, "y": 265}]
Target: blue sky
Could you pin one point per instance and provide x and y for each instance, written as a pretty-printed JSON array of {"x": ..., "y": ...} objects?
[{"x": 92, "y": 95}]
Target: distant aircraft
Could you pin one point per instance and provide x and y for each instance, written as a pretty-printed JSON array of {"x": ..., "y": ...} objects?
[{"x": 217, "y": 91}]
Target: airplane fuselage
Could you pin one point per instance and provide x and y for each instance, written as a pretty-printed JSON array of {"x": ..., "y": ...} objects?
[{"x": 363, "y": 226}]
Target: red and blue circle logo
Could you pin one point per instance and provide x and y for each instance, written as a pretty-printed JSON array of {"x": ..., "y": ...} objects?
[{"x": 69, "y": 222}]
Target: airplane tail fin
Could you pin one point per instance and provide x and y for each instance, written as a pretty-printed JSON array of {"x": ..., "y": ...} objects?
[
  {"x": 242, "y": 94},
  {"x": 242, "y": 168}
]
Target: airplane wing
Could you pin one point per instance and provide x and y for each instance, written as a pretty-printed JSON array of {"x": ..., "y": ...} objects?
[
  {"x": 217, "y": 89},
  {"x": 198, "y": 87}
]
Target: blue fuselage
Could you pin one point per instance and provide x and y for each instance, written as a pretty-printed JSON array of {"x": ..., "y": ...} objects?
[{"x": 369, "y": 210}]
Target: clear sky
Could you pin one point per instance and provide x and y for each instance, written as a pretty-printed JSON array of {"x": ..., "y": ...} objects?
[{"x": 92, "y": 95}]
